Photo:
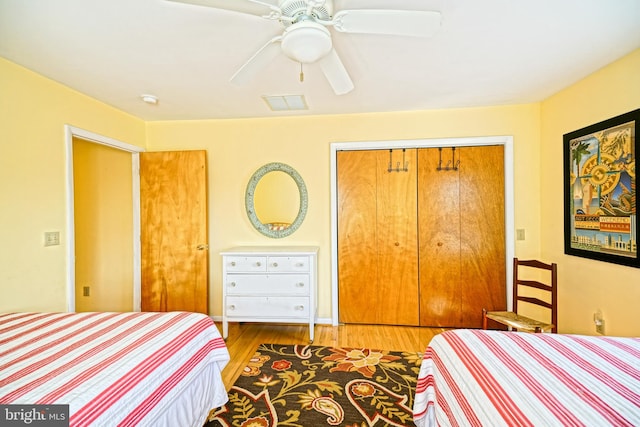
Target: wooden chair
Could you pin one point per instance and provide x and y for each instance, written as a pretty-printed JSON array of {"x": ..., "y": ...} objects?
[{"x": 522, "y": 323}]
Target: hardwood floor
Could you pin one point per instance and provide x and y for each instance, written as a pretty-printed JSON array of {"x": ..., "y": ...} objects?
[{"x": 244, "y": 338}]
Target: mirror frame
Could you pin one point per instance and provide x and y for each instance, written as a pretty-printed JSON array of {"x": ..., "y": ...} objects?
[{"x": 249, "y": 201}]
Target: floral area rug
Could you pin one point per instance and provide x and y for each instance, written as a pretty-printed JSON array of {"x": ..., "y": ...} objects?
[{"x": 308, "y": 386}]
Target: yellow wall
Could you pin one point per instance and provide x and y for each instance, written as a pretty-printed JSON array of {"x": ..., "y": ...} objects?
[
  {"x": 236, "y": 148},
  {"x": 33, "y": 112},
  {"x": 587, "y": 285}
]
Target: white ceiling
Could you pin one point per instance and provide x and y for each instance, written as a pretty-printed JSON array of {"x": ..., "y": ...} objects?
[{"x": 487, "y": 52}]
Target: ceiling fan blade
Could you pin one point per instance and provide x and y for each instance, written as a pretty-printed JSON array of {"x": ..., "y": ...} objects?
[
  {"x": 415, "y": 23},
  {"x": 335, "y": 73},
  {"x": 251, "y": 7},
  {"x": 257, "y": 62}
]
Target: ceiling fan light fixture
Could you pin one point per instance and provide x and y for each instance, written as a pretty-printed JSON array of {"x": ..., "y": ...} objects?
[{"x": 306, "y": 42}]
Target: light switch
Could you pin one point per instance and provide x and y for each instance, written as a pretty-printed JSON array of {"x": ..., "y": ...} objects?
[
  {"x": 520, "y": 234},
  {"x": 51, "y": 238}
]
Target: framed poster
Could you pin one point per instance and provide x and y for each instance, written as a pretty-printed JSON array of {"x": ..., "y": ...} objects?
[{"x": 600, "y": 191}]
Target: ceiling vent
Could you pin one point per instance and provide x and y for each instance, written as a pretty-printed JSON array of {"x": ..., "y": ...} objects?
[{"x": 285, "y": 102}]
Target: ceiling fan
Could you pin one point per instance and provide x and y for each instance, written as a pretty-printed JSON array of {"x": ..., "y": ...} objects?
[{"x": 307, "y": 40}]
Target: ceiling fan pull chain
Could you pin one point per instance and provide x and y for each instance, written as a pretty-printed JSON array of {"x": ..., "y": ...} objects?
[{"x": 301, "y": 74}]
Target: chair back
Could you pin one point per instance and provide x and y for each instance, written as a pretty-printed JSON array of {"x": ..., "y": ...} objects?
[{"x": 551, "y": 286}]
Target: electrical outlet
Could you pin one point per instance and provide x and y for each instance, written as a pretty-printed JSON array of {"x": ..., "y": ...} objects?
[
  {"x": 86, "y": 291},
  {"x": 598, "y": 320},
  {"x": 51, "y": 238}
]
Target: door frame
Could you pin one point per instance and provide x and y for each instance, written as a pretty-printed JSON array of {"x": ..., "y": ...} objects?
[
  {"x": 509, "y": 217},
  {"x": 69, "y": 133}
]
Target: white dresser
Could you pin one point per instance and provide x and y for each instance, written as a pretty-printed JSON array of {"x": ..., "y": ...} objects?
[{"x": 269, "y": 284}]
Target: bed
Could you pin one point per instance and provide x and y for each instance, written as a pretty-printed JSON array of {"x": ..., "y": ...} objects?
[
  {"x": 129, "y": 369},
  {"x": 500, "y": 378}
]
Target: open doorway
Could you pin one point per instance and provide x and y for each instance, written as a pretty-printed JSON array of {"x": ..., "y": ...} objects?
[
  {"x": 103, "y": 227},
  {"x": 103, "y": 222}
]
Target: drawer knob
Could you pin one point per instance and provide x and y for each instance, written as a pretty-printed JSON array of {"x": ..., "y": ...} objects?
[
  {"x": 299, "y": 307},
  {"x": 232, "y": 307},
  {"x": 232, "y": 284},
  {"x": 233, "y": 263},
  {"x": 258, "y": 263},
  {"x": 275, "y": 264},
  {"x": 300, "y": 284},
  {"x": 300, "y": 264}
]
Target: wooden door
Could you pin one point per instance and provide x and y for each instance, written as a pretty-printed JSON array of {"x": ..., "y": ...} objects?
[
  {"x": 377, "y": 239},
  {"x": 439, "y": 236},
  {"x": 482, "y": 252},
  {"x": 173, "y": 213},
  {"x": 461, "y": 233}
]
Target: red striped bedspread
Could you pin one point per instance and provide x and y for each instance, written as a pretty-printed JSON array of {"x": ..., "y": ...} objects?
[
  {"x": 499, "y": 378},
  {"x": 129, "y": 369}
]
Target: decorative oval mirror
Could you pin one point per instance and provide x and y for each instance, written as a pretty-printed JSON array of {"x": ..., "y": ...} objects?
[{"x": 276, "y": 200}]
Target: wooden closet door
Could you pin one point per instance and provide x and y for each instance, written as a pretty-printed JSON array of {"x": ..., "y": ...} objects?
[
  {"x": 377, "y": 240},
  {"x": 173, "y": 214},
  {"x": 439, "y": 236},
  {"x": 482, "y": 254},
  {"x": 461, "y": 234}
]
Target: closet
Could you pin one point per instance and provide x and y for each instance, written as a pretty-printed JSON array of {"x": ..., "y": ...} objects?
[{"x": 421, "y": 235}]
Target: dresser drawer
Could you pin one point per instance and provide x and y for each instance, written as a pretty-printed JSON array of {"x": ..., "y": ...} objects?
[
  {"x": 284, "y": 264},
  {"x": 274, "y": 307},
  {"x": 246, "y": 264},
  {"x": 276, "y": 284}
]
